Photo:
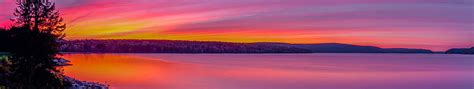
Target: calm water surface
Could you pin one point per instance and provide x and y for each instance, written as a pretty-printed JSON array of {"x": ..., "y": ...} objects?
[{"x": 275, "y": 71}]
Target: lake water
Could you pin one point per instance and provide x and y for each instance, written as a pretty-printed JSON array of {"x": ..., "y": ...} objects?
[{"x": 275, "y": 71}]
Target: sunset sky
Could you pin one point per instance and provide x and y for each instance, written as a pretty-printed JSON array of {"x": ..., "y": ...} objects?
[{"x": 432, "y": 24}]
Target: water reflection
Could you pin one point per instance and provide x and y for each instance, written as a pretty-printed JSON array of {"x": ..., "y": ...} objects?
[
  {"x": 267, "y": 71},
  {"x": 118, "y": 70}
]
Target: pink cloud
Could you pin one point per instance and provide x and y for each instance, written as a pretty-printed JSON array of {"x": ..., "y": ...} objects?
[{"x": 434, "y": 24}]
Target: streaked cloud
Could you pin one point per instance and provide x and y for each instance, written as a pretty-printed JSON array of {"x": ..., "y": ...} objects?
[{"x": 433, "y": 24}]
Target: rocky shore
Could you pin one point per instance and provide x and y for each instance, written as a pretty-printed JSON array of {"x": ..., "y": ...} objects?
[{"x": 77, "y": 84}]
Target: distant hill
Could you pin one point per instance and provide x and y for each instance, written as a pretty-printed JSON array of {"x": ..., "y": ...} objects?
[
  {"x": 171, "y": 46},
  {"x": 461, "y": 51},
  {"x": 347, "y": 48}
]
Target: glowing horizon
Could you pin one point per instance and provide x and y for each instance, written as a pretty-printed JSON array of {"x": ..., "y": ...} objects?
[{"x": 436, "y": 24}]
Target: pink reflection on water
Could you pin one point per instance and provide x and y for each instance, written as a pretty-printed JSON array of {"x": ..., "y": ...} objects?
[
  {"x": 268, "y": 71},
  {"x": 118, "y": 70}
]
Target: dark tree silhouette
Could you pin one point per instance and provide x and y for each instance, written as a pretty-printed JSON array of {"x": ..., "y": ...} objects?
[
  {"x": 32, "y": 54},
  {"x": 39, "y": 15},
  {"x": 4, "y": 63},
  {"x": 4, "y": 38},
  {"x": 32, "y": 44}
]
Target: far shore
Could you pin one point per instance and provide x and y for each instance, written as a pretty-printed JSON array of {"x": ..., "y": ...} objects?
[{"x": 236, "y": 53}]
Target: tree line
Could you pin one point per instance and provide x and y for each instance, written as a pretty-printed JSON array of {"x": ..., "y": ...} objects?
[{"x": 167, "y": 46}]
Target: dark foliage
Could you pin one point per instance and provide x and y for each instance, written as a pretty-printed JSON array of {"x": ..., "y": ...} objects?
[
  {"x": 32, "y": 45},
  {"x": 31, "y": 53},
  {"x": 39, "y": 15},
  {"x": 164, "y": 46},
  {"x": 168, "y": 46},
  {"x": 4, "y": 71},
  {"x": 3, "y": 39}
]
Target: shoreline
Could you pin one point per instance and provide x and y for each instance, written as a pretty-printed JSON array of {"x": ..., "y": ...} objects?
[
  {"x": 78, "y": 84},
  {"x": 241, "y": 53}
]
